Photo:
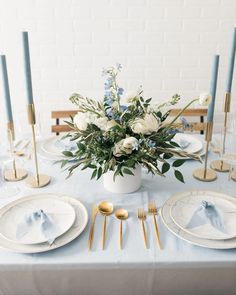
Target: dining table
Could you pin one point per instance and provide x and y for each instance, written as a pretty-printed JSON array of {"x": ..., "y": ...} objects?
[{"x": 178, "y": 268}]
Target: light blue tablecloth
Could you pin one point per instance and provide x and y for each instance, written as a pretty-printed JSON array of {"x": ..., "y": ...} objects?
[{"x": 178, "y": 269}]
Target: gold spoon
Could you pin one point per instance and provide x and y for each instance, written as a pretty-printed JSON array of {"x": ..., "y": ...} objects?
[
  {"x": 121, "y": 214},
  {"x": 22, "y": 151},
  {"x": 106, "y": 209}
]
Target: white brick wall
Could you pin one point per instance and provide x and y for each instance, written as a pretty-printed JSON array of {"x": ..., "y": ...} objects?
[{"x": 165, "y": 45}]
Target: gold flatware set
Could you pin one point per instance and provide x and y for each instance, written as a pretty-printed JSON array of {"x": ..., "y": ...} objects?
[{"x": 106, "y": 209}]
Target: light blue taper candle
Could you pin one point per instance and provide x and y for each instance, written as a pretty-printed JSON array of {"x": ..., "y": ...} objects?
[
  {"x": 27, "y": 68},
  {"x": 231, "y": 64},
  {"x": 213, "y": 86},
  {"x": 6, "y": 88}
]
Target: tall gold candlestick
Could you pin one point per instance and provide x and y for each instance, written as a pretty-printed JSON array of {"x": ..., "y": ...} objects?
[
  {"x": 13, "y": 174},
  {"x": 38, "y": 180},
  {"x": 205, "y": 174},
  {"x": 220, "y": 165}
]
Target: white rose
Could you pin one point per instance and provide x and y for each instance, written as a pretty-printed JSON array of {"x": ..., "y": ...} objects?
[
  {"x": 129, "y": 96},
  {"x": 204, "y": 99},
  {"x": 126, "y": 146},
  {"x": 130, "y": 143},
  {"x": 104, "y": 124},
  {"x": 146, "y": 125},
  {"x": 101, "y": 122},
  {"x": 81, "y": 121},
  {"x": 110, "y": 124}
]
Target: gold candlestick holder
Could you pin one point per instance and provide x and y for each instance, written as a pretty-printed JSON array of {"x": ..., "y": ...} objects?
[
  {"x": 37, "y": 180},
  {"x": 233, "y": 175},
  {"x": 14, "y": 174},
  {"x": 205, "y": 174},
  {"x": 221, "y": 165}
]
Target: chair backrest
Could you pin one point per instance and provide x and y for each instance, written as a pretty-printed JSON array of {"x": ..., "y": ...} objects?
[
  {"x": 194, "y": 126},
  {"x": 190, "y": 115},
  {"x": 61, "y": 116}
]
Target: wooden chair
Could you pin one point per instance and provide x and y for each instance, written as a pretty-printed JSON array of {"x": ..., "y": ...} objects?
[
  {"x": 61, "y": 116},
  {"x": 195, "y": 126}
]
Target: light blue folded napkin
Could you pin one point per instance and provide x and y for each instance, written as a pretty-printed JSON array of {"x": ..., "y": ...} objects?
[
  {"x": 184, "y": 143},
  {"x": 46, "y": 224},
  {"x": 207, "y": 212}
]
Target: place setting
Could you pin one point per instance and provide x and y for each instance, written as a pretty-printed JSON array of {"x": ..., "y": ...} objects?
[
  {"x": 202, "y": 218},
  {"x": 40, "y": 223}
]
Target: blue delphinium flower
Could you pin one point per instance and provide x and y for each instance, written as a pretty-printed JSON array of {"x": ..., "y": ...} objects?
[
  {"x": 118, "y": 66},
  {"x": 123, "y": 108},
  {"x": 185, "y": 123},
  {"x": 120, "y": 91},
  {"x": 173, "y": 131},
  {"x": 151, "y": 143}
]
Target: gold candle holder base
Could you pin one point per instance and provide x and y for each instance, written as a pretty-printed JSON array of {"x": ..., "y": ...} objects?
[
  {"x": 205, "y": 175},
  {"x": 220, "y": 166},
  {"x": 42, "y": 181},
  {"x": 233, "y": 175},
  {"x": 15, "y": 175}
]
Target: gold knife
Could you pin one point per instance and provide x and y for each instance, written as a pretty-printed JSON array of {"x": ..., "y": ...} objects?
[{"x": 91, "y": 233}]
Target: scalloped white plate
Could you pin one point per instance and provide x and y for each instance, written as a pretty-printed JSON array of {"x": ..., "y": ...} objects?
[
  {"x": 76, "y": 229},
  {"x": 176, "y": 230},
  {"x": 184, "y": 207},
  {"x": 62, "y": 214}
]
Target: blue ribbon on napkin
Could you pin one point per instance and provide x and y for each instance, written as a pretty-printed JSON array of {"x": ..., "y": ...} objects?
[
  {"x": 207, "y": 212},
  {"x": 47, "y": 226}
]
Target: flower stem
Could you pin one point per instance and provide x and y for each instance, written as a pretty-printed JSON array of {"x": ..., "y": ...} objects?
[{"x": 180, "y": 113}]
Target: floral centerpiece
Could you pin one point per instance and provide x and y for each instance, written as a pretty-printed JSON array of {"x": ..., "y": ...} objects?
[{"x": 121, "y": 133}]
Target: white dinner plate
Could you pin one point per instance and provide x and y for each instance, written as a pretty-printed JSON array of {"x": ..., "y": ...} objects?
[
  {"x": 183, "y": 209},
  {"x": 61, "y": 213},
  {"x": 195, "y": 145},
  {"x": 76, "y": 229},
  {"x": 182, "y": 234}
]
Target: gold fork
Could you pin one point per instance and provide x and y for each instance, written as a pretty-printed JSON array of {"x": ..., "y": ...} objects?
[
  {"x": 152, "y": 209},
  {"x": 91, "y": 233},
  {"x": 142, "y": 216}
]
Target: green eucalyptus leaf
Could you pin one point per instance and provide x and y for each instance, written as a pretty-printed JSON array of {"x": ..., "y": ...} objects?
[
  {"x": 165, "y": 168},
  {"x": 127, "y": 171},
  {"x": 179, "y": 176},
  {"x": 94, "y": 174},
  {"x": 68, "y": 154},
  {"x": 99, "y": 172},
  {"x": 178, "y": 163}
]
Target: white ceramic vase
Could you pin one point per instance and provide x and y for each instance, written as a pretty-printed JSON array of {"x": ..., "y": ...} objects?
[{"x": 123, "y": 184}]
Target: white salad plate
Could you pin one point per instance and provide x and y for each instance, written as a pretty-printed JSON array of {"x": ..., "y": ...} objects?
[
  {"x": 195, "y": 144},
  {"x": 59, "y": 212},
  {"x": 182, "y": 234},
  {"x": 56, "y": 145},
  {"x": 74, "y": 231},
  {"x": 183, "y": 209},
  {"x": 47, "y": 155}
]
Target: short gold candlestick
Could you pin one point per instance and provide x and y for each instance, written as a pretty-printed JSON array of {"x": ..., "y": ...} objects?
[
  {"x": 221, "y": 165},
  {"x": 14, "y": 174},
  {"x": 38, "y": 180},
  {"x": 205, "y": 174}
]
